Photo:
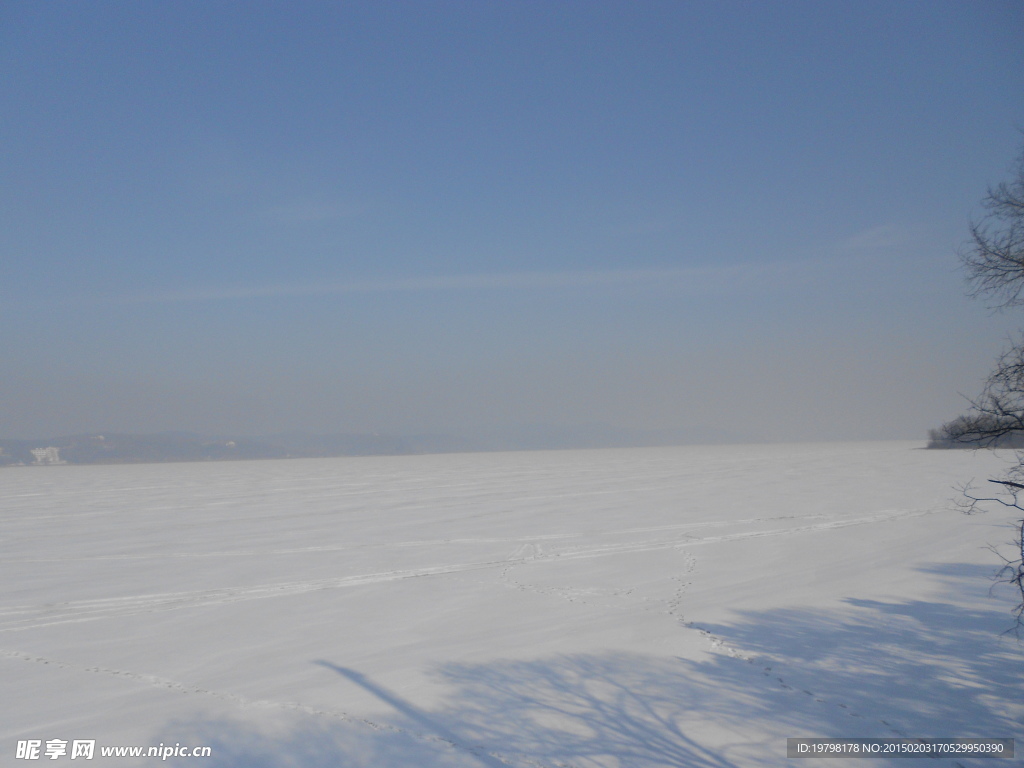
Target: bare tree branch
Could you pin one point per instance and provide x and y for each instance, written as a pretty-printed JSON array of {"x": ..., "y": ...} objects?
[
  {"x": 1012, "y": 572},
  {"x": 994, "y": 257}
]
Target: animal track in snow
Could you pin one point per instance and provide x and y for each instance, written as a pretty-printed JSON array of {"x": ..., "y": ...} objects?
[{"x": 770, "y": 672}]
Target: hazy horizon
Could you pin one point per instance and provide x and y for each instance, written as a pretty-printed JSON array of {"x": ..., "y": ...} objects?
[{"x": 471, "y": 218}]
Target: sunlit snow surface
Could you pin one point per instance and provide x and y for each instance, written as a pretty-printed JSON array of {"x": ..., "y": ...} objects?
[{"x": 647, "y": 607}]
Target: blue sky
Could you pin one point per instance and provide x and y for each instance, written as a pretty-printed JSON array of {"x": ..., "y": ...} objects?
[{"x": 459, "y": 217}]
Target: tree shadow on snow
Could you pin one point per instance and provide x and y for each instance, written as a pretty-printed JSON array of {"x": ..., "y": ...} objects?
[
  {"x": 586, "y": 710},
  {"x": 874, "y": 668}
]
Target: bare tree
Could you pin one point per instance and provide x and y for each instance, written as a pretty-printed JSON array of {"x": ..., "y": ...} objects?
[
  {"x": 996, "y": 418},
  {"x": 994, "y": 261}
]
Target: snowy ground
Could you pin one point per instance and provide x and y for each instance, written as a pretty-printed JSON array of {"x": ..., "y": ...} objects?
[{"x": 647, "y": 607}]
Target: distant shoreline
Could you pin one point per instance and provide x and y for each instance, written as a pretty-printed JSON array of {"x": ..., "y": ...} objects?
[{"x": 176, "y": 448}]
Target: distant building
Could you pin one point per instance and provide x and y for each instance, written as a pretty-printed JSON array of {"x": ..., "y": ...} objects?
[{"x": 48, "y": 455}]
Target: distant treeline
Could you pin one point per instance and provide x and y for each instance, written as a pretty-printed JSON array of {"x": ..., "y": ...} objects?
[
  {"x": 975, "y": 432},
  {"x": 178, "y": 446},
  {"x": 114, "y": 448}
]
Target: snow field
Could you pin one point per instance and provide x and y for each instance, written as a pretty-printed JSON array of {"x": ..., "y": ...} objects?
[{"x": 685, "y": 606}]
